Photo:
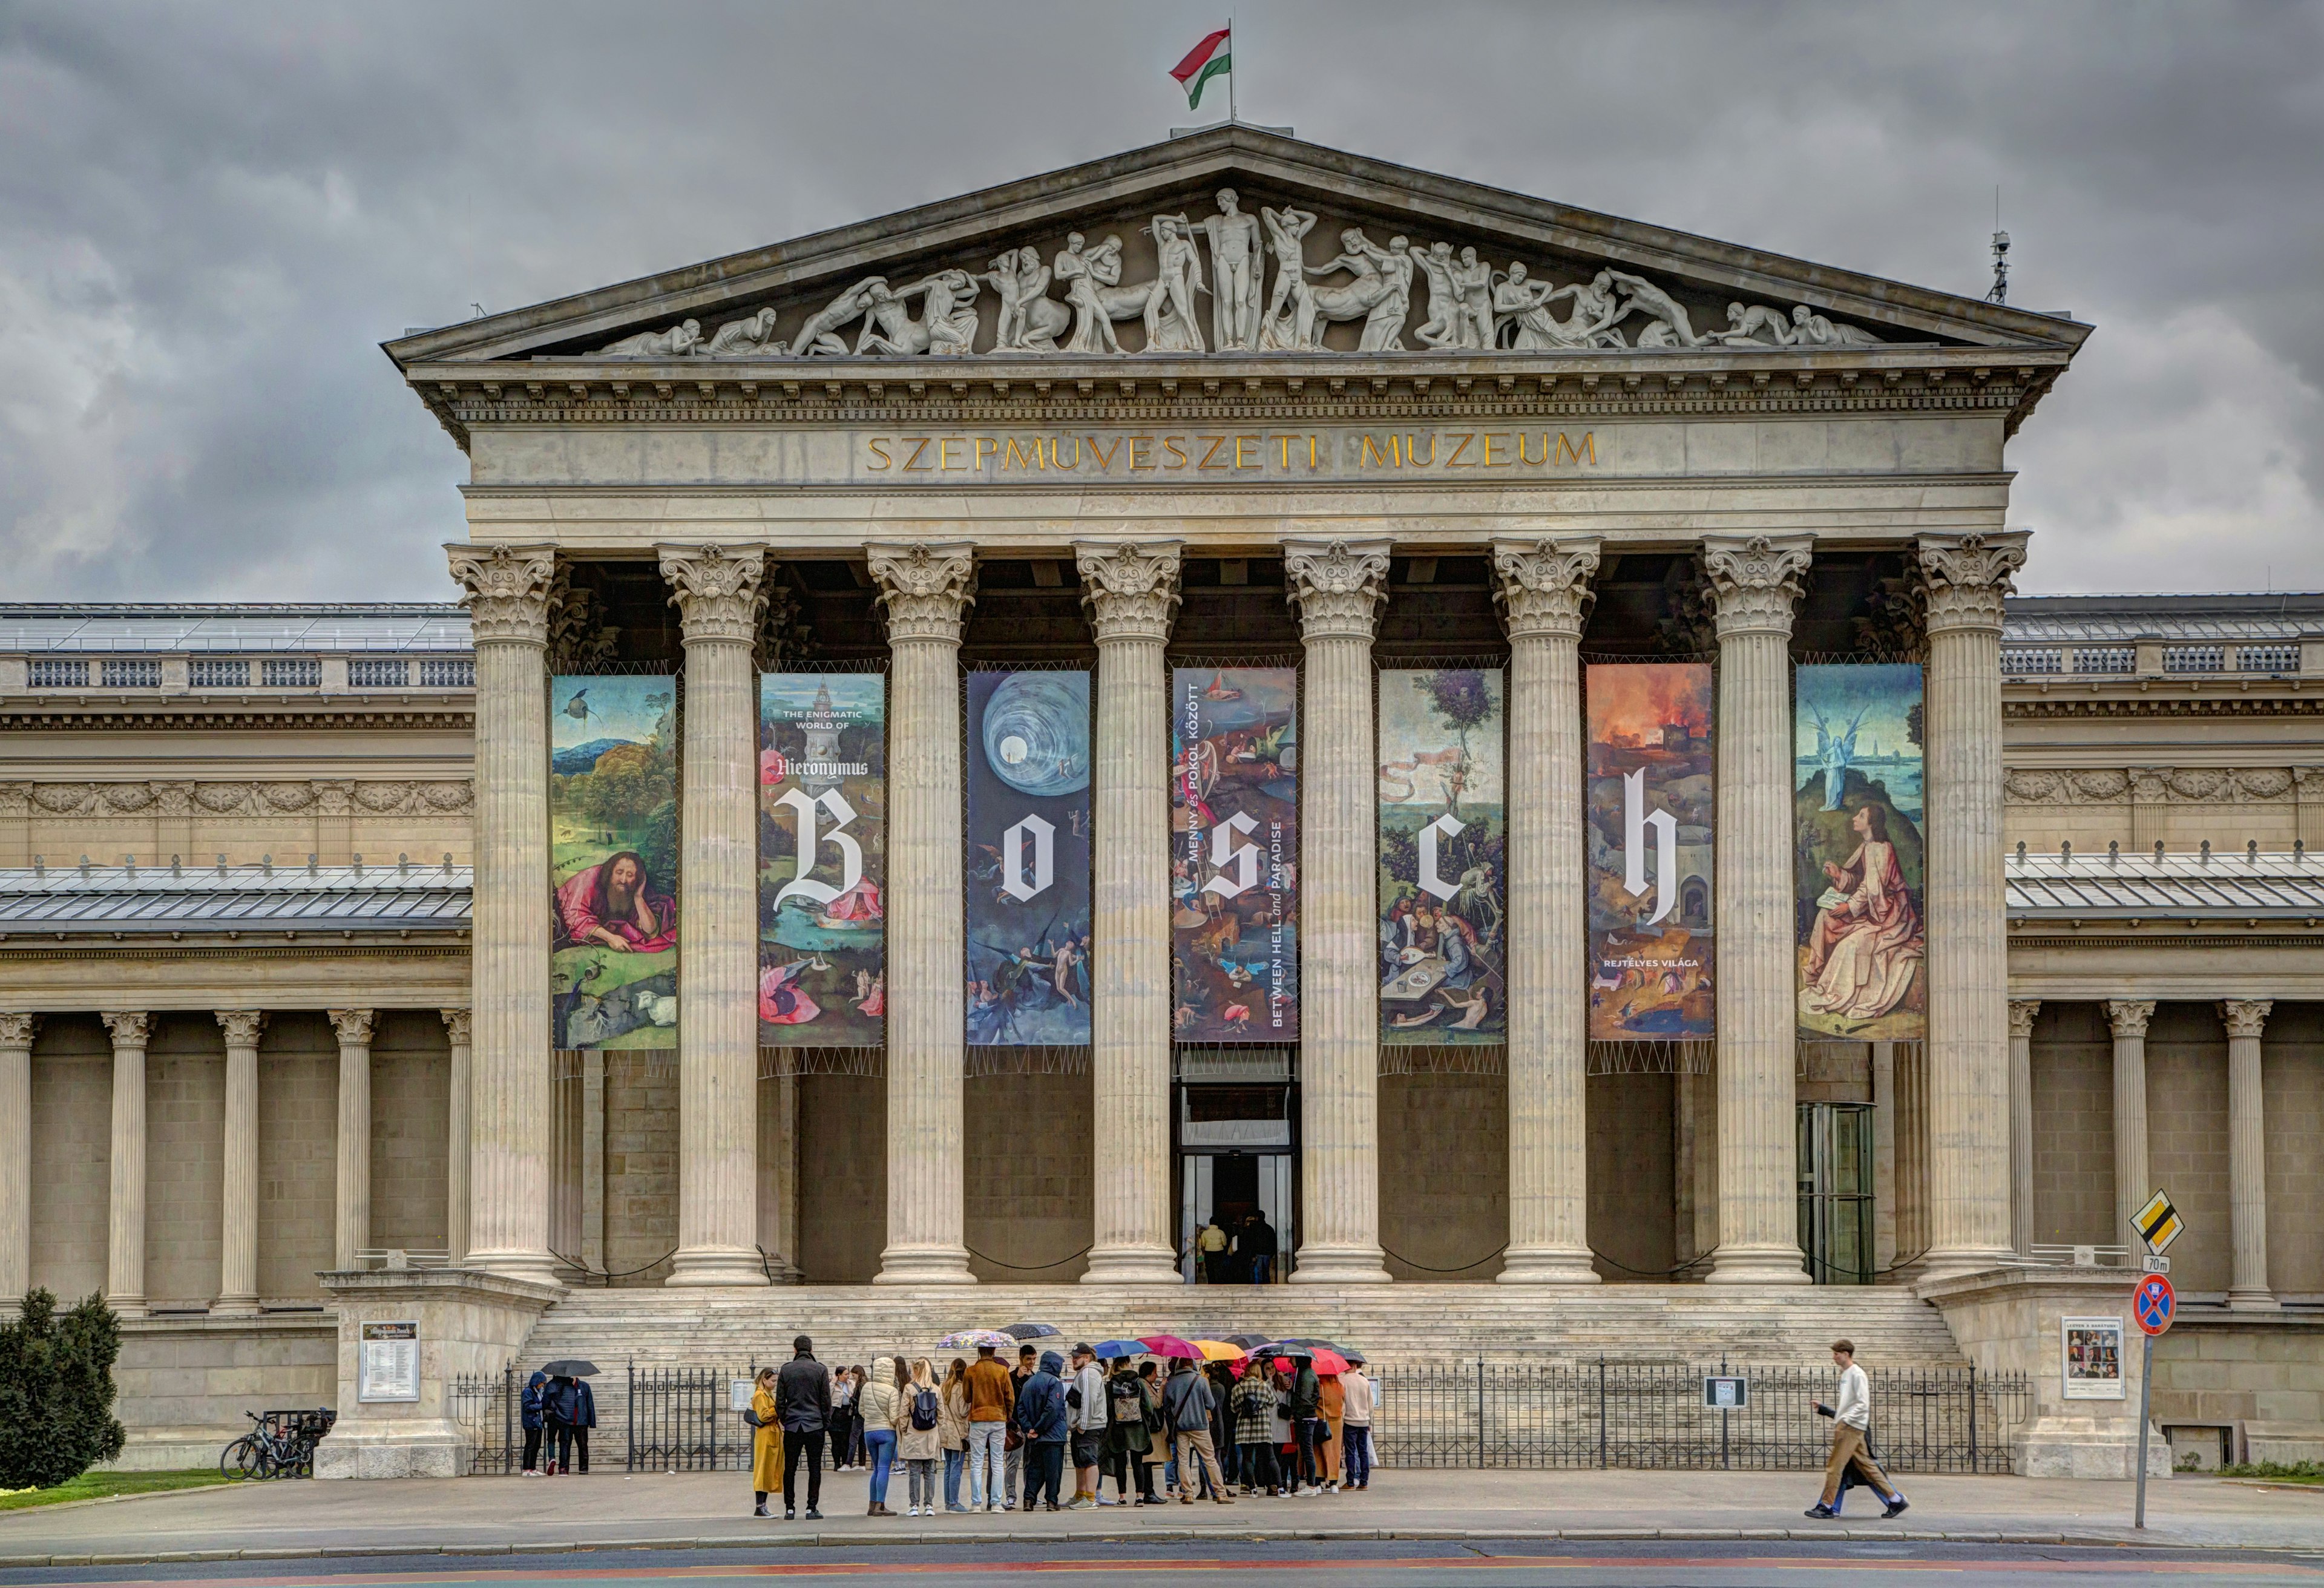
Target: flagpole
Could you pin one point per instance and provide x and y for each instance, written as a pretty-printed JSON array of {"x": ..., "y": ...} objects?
[{"x": 1231, "y": 96}]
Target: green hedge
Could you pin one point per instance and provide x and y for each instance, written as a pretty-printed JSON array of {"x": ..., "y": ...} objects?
[{"x": 56, "y": 1391}]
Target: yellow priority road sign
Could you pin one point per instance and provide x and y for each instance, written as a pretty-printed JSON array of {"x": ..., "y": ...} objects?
[{"x": 2158, "y": 1221}]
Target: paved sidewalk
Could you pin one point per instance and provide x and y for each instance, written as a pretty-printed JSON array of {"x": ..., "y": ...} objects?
[{"x": 702, "y": 1509}]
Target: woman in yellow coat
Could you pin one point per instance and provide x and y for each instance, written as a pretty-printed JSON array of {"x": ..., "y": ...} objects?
[{"x": 767, "y": 1444}]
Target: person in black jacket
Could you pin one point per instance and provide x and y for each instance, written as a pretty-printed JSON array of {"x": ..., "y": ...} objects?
[
  {"x": 803, "y": 1408},
  {"x": 1308, "y": 1424},
  {"x": 572, "y": 1412}
]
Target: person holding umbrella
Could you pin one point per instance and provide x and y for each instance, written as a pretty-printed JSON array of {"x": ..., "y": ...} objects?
[
  {"x": 1308, "y": 1424},
  {"x": 1253, "y": 1405},
  {"x": 1131, "y": 1414},
  {"x": 571, "y": 1410}
]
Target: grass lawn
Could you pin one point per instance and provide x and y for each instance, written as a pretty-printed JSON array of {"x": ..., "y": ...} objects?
[
  {"x": 2306, "y": 1475},
  {"x": 104, "y": 1485}
]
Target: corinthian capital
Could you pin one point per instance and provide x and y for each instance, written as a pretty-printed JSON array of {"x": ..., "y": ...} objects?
[
  {"x": 505, "y": 589},
  {"x": 1130, "y": 587},
  {"x": 459, "y": 1023},
  {"x": 17, "y": 1030},
  {"x": 2022, "y": 1014},
  {"x": 354, "y": 1026},
  {"x": 241, "y": 1025},
  {"x": 926, "y": 587},
  {"x": 1756, "y": 580},
  {"x": 129, "y": 1030},
  {"x": 715, "y": 590},
  {"x": 1968, "y": 575},
  {"x": 1336, "y": 585},
  {"x": 2128, "y": 1016},
  {"x": 2245, "y": 1017},
  {"x": 1544, "y": 585}
]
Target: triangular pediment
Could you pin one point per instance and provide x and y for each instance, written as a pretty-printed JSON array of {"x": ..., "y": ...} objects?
[{"x": 1137, "y": 255}]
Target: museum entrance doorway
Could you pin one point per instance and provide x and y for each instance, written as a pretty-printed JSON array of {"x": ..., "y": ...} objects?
[
  {"x": 1836, "y": 1195},
  {"x": 1234, "y": 1121}
]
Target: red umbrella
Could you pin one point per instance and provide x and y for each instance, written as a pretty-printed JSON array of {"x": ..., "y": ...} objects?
[
  {"x": 1323, "y": 1360},
  {"x": 1171, "y": 1345}
]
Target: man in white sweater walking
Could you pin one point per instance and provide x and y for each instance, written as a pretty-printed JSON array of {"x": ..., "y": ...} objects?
[{"x": 1851, "y": 1420}]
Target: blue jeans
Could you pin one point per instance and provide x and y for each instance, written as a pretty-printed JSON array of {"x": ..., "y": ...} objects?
[
  {"x": 984, "y": 1462},
  {"x": 1262, "y": 1269},
  {"x": 881, "y": 1445},
  {"x": 1355, "y": 1459},
  {"x": 1045, "y": 1472},
  {"x": 955, "y": 1463}
]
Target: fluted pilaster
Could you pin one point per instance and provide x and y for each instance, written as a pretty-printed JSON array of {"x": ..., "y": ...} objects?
[
  {"x": 2128, "y": 1018},
  {"x": 2022, "y": 1014},
  {"x": 458, "y": 1031},
  {"x": 1968, "y": 964},
  {"x": 1544, "y": 589},
  {"x": 16, "y": 1034},
  {"x": 927, "y": 589},
  {"x": 1756, "y": 581},
  {"x": 125, "y": 1265},
  {"x": 1131, "y": 592},
  {"x": 506, "y": 591},
  {"x": 238, "y": 1188},
  {"x": 2248, "y": 1290},
  {"x": 353, "y": 1203},
  {"x": 1337, "y": 588},
  {"x": 717, "y": 596}
]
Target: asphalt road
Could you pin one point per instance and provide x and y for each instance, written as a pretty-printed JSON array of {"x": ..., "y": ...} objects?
[{"x": 1353, "y": 1565}]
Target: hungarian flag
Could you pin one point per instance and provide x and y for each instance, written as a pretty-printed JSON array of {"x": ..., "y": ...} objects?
[{"x": 1208, "y": 59}]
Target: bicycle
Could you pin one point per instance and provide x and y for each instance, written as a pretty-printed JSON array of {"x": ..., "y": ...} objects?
[{"x": 281, "y": 1444}]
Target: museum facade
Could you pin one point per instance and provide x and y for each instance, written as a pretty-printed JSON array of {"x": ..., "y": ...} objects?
[{"x": 1496, "y": 748}]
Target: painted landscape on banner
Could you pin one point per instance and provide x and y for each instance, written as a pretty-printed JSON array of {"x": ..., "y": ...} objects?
[
  {"x": 1029, "y": 859},
  {"x": 1442, "y": 863},
  {"x": 823, "y": 860},
  {"x": 1234, "y": 830},
  {"x": 1858, "y": 816},
  {"x": 613, "y": 868},
  {"x": 1650, "y": 817}
]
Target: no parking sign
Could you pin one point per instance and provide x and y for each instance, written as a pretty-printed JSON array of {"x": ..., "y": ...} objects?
[{"x": 2154, "y": 1302}]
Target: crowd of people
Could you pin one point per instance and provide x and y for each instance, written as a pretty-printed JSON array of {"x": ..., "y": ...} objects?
[
  {"x": 983, "y": 1435},
  {"x": 1242, "y": 1251}
]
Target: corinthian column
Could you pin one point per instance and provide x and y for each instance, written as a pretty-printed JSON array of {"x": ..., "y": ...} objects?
[
  {"x": 1336, "y": 587},
  {"x": 1544, "y": 591},
  {"x": 1756, "y": 581},
  {"x": 2128, "y": 1017},
  {"x": 353, "y": 1202},
  {"x": 2248, "y": 1290},
  {"x": 16, "y": 1034},
  {"x": 457, "y": 1031},
  {"x": 124, "y": 1266},
  {"x": 717, "y": 920},
  {"x": 238, "y": 1190},
  {"x": 927, "y": 589},
  {"x": 1131, "y": 592},
  {"x": 1968, "y": 931},
  {"x": 2022, "y": 1014},
  {"x": 506, "y": 592}
]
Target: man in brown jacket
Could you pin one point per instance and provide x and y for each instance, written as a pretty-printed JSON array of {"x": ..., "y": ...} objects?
[{"x": 992, "y": 1396}]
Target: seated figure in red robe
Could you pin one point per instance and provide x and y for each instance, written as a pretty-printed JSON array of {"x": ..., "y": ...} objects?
[
  {"x": 613, "y": 904},
  {"x": 1867, "y": 943}
]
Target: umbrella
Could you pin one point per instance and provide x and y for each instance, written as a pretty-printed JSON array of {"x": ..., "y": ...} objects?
[
  {"x": 1248, "y": 1342},
  {"x": 1307, "y": 1340},
  {"x": 1030, "y": 1331},
  {"x": 1169, "y": 1346},
  {"x": 1119, "y": 1350},
  {"x": 975, "y": 1339},
  {"x": 1322, "y": 1359},
  {"x": 1219, "y": 1350},
  {"x": 570, "y": 1367}
]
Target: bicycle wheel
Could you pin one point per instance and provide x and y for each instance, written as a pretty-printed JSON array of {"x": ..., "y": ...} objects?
[{"x": 240, "y": 1459}]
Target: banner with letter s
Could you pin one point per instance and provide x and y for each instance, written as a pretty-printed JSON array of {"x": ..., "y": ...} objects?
[
  {"x": 1650, "y": 815},
  {"x": 823, "y": 807},
  {"x": 1234, "y": 831},
  {"x": 1028, "y": 861}
]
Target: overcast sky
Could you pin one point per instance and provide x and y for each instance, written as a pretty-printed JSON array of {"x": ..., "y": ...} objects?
[{"x": 211, "y": 214}]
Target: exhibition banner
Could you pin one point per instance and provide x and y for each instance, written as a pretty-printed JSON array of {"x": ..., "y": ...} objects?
[
  {"x": 1858, "y": 818},
  {"x": 1027, "y": 868},
  {"x": 613, "y": 860},
  {"x": 1650, "y": 857},
  {"x": 1234, "y": 828},
  {"x": 822, "y": 814},
  {"x": 1441, "y": 857}
]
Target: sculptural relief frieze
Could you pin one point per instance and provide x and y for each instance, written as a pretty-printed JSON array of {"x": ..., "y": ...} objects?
[
  {"x": 1072, "y": 302},
  {"x": 2152, "y": 786},
  {"x": 437, "y": 796}
]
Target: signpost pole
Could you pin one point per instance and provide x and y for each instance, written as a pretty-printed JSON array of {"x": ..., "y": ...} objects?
[{"x": 2146, "y": 1387}]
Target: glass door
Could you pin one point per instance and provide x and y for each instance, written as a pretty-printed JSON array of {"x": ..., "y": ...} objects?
[{"x": 1835, "y": 1187}]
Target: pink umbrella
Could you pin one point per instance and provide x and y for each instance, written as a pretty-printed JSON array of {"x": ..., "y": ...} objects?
[
  {"x": 1171, "y": 1345},
  {"x": 1321, "y": 1357}
]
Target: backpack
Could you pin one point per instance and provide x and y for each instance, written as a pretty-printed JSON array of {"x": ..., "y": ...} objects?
[
  {"x": 924, "y": 1409},
  {"x": 1129, "y": 1404}
]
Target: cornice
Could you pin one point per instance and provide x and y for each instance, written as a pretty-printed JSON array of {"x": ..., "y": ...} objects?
[
  {"x": 18, "y": 947},
  {"x": 81, "y": 714},
  {"x": 2016, "y": 706}
]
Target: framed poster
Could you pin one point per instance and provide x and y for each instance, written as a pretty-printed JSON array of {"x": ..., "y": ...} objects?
[
  {"x": 1028, "y": 871},
  {"x": 2091, "y": 1354},
  {"x": 1234, "y": 865},
  {"x": 389, "y": 1368},
  {"x": 1649, "y": 835},
  {"x": 1858, "y": 818},
  {"x": 823, "y": 860},
  {"x": 1442, "y": 860},
  {"x": 613, "y": 860}
]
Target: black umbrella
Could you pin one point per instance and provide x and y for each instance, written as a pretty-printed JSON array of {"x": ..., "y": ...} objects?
[
  {"x": 1309, "y": 1340},
  {"x": 1030, "y": 1331},
  {"x": 570, "y": 1367},
  {"x": 1248, "y": 1342}
]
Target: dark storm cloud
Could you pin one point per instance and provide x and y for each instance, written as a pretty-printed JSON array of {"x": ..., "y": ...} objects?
[{"x": 210, "y": 216}]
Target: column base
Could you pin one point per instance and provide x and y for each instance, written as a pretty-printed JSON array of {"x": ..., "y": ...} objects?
[
  {"x": 539, "y": 1267},
  {"x": 2252, "y": 1301},
  {"x": 1757, "y": 1265},
  {"x": 1954, "y": 1262},
  {"x": 1132, "y": 1265},
  {"x": 127, "y": 1307},
  {"x": 716, "y": 1265},
  {"x": 924, "y": 1265},
  {"x": 234, "y": 1306},
  {"x": 1547, "y": 1265},
  {"x": 1340, "y": 1265}
]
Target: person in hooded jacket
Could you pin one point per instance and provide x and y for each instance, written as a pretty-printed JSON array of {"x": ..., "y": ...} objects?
[
  {"x": 1131, "y": 1414},
  {"x": 1041, "y": 1420},
  {"x": 876, "y": 1400},
  {"x": 531, "y": 1413},
  {"x": 1307, "y": 1424}
]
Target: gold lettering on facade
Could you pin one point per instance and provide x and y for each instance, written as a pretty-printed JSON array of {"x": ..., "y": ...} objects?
[
  {"x": 919, "y": 445},
  {"x": 1464, "y": 438},
  {"x": 1213, "y": 451},
  {"x": 1138, "y": 457},
  {"x": 880, "y": 451},
  {"x": 1017, "y": 457},
  {"x": 1175, "y": 447},
  {"x": 991, "y": 455}
]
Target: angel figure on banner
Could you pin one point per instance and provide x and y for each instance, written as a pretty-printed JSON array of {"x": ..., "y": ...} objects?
[
  {"x": 1867, "y": 943},
  {"x": 1836, "y": 750}
]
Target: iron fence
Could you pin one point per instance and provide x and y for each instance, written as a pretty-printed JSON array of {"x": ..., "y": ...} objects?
[
  {"x": 684, "y": 1420},
  {"x": 1483, "y": 1412},
  {"x": 488, "y": 1407}
]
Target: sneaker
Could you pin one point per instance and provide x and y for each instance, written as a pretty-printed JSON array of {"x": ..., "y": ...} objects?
[
  {"x": 760, "y": 1512},
  {"x": 789, "y": 1515},
  {"x": 1081, "y": 1502},
  {"x": 813, "y": 1515},
  {"x": 1821, "y": 1511},
  {"x": 958, "y": 1510},
  {"x": 1896, "y": 1508}
]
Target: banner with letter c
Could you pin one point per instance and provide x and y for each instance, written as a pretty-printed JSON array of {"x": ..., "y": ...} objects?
[
  {"x": 1234, "y": 832},
  {"x": 1441, "y": 859},
  {"x": 823, "y": 860},
  {"x": 1650, "y": 818}
]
